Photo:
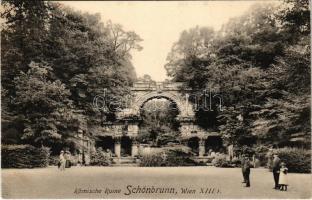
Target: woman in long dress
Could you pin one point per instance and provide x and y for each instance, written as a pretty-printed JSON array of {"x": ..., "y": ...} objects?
[
  {"x": 62, "y": 161},
  {"x": 67, "y": 159}
]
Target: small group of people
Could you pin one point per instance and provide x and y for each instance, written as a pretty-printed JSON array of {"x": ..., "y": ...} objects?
[
  {"x": 64, "y": 160},
  {"x": 279, "y": 172}
]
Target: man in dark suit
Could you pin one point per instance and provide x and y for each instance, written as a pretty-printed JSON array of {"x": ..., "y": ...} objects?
[
  {"x": 242, "y": 165},
  {"x": 246, "y": 171},
  {"x": 276, "y": 169}
]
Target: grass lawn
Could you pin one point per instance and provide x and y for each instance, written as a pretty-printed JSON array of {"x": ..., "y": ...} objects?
[{"x": 51, "y": 183}]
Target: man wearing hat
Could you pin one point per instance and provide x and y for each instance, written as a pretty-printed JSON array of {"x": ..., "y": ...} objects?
[
  {"x": 246, "y": 170},
  {"x": 276, "y": 169},
  {"x": 242, "y": 165}
]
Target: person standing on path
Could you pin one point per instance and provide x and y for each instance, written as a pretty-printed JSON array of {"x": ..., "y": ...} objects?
[
  {"x": 276, "y": 170},
  {"x": 283, "y": 182},
  {"x": 62, "y": 161},
  {"x": 242, "y": 165},
  {"x": 246, "y": 171},
  {"x": 67, "y": 159}
]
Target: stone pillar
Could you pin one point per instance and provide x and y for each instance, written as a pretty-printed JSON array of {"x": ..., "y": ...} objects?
[
  {"x": 81, "y": 149},
  {"x": 80, "y": 157},
  {"x": 141, "y": 149},
  {"x": 133, "y": 129},
  {"x": 230, "y": 151},
  {"x": 134, "y": 148},
  {"x": 185, "y": 130},
  {"x": 201, "y": 147},
  {"x": 117, "y": 147},
  {"x": 187, "y": 125}
]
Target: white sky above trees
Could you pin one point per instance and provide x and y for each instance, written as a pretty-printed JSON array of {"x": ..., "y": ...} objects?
[{"x": 159, "y": 24}]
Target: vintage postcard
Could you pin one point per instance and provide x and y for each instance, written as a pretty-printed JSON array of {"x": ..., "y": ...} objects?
[{"x": 155, "y": 100}]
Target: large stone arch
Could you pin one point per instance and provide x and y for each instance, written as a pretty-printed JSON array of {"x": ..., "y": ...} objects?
[
  {"x": 184, "y": 107},
  {"x": 128, "y": 119},
  {"x": 143, "y": 92}
]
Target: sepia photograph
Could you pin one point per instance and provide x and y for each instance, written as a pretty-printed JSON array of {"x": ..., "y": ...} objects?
[{"x": 155, "y": 99}]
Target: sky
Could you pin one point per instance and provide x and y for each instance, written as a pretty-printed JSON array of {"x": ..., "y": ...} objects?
[{"x": 160, "y": 23}]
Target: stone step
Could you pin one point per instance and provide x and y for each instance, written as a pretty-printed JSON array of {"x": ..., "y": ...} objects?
[
  {"x": 124, "y": 160},
  {"x": 125, "y": 165}
]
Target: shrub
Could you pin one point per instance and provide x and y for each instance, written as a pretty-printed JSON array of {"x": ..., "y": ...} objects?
[
  {"x": 178, "y": 157},
  {"x": 168, "y": 137},
  {"x": 154, "y": 160},
  {"x": 170, "y": 157},
  {"x": 220, "y": 161},
  {"x": 236, "y": 161},
  {"x": 297, "y": 160},
  {"x": 99, "y": 158},
  {"x": 209, "y": 159},
  {"x": 240, "y": 150},
  {"x": 261, "y": 153},
  {"x": 248, "y": 150},
  {"x": 74, "y": 160},
  {"x": 143, "y": 136},
  {"x": 53, "y": 160},
  {"x": 24, "y": 156}
]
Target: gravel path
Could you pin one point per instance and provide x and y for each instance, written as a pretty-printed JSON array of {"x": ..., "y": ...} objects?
[{"x": 128, "y": 182}]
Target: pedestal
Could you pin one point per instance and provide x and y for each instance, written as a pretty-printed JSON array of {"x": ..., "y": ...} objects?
[
  {"x": 201, "y": 148},
  {"x": 134, "y": 149},
  {"x": 133, "y": 129},
  {"x": 117, "y": 149}
]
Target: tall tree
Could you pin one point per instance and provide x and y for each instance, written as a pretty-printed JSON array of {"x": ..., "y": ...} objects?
[
  {"x": 259, "y": 62},
  {"x": 40, "y": 101},
  {"x": 55, "y": 61},
  {"x": 23, "y": 37}
]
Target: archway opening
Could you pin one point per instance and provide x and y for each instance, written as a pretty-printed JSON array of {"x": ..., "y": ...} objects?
[
  {"x": 193, "y": 143},
  {"x": 214, "y": 143},
  {"x": 126, "y": 144},
  {"x": 159, "y": 125},
  {"x": 105, "y": 143}
]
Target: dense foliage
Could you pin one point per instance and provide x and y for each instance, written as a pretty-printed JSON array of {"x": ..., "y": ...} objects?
[
  {"x": 24, "y": 156},
  {"x": 153, "y": 160},
  {"x": 99, "y": 158},
  {"x": 260, "y": 64},
  {"x": 296, "y": 160},
  {"x": 171, "y": 157},
  {"x": 220, "y": 161},
  {"x": 54, "y": 61},
  {"x": 159, "y": 123}
]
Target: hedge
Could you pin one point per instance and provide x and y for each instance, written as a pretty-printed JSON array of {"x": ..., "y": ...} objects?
[
  {"x": 153, "y": 160},
  {"x": 261, "y": 153},
  {"x": 168, "y": 158},
  {"x": 99, "y": 158},
  {"x": 220, "y": 161},
  {"x": 54, "y": 160},
  {"x": 24, "y": 156},
  {"x": 297, "y": 160}
]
